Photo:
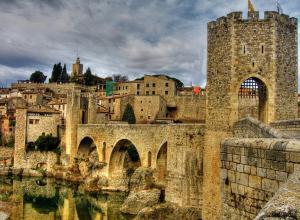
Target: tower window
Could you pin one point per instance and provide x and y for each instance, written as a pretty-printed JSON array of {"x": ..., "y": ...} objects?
[
  {"x": 253, "y": 64},
  {"x": 262, "y": 49},
  {"x": 244, "y": 49}
]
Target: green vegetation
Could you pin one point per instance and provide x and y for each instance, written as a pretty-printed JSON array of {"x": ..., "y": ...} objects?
[
  {"x": 128, "y": 115},
  {"x": 44, "y": 143},
  {"x": 178, "y": 83},
  {"x": 120, "y": 78},
  {"x": 37, "y": 77},
  {"x": 41, "y": 204},
  {"x": 11, "y": 141},
  {"x": 59, "y": 74}
]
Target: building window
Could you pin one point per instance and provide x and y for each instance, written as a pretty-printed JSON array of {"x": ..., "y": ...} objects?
[
  {"x": 149, "y": 117},
  {"x": 126, "y": 87},
  {"x": 166, "y": 92},
  {"x": 31, "y": 121},
  {"x": 138, "y": 93},
  {"x": 138, "y": 86},
  {"x": 30, "y": 97},
  {"x": 141, "y": 117},
  {"x": 262, "y": 49},
  {"x": 147, "y": 85},
  {"x": 119, "y": 87},
  {"x": 109, "y": 100},
  {"x": 37, "y": 121},
  {"x": 153, "y": 92},
  {"x": 142, "y": 110},
  {"x": 167, "y": 84},
  {"x": 147, "y": 93},
  {"x": 153, "y": 85}
]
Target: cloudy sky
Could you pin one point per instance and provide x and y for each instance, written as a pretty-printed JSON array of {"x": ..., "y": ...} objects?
[{"x": 130, "y": 37}]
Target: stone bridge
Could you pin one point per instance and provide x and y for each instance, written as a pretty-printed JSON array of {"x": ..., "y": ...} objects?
[{"x": 173, "y": 151}]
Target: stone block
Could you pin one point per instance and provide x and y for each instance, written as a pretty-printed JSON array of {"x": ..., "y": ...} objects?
[
  {"x": 229, "y": 157},
  {"x": 242, "y": 178},
  {"x": 281, "y": 176},
  {"x": 240, "y": 168},
  {"x": 296, "y": 167},
  {"x": 234, "y": 188},
  {"x": 244, "y": 160},
  {"x": 253, "y": 170},
  {"x": 232, "y": 166},
  {"x": 269, "y": 185},
  {"x": 276, "y": 165},
  {"x": 265, "y": 163},
  {"x": 255, "y": 182},
  {"x": 295, "y": 157},
  {"x": 261, "y": 172},
  {"x": 236, "y": 158},
  {"x": 247, "y": 169},
  {"x": 271, "y": 174},
  {"x": 241, "y": 190},
  {"x": 290, "y": 168},
  {"x": 231, "y": 176}
]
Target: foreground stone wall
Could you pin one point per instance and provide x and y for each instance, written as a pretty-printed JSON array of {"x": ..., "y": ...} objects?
[
  {"x": 288, "y": 127},
  {"x": 252, "y": 171},
  {"x": 252, "y": 128}
]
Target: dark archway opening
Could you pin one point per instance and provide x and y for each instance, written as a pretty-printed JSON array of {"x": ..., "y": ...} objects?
[
  {"x": 124, "y": 160},
  {"x": 86, "y": 148},
  {"x": 253, "y": 99},
  {"x": 161, "y": 163}
]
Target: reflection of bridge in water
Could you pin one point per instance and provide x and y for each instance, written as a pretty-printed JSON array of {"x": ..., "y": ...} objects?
[{"x": 32, "y": 200}]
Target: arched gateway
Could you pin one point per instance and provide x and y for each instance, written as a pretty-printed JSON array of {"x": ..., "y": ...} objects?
[{"x": 253, "y": 99}]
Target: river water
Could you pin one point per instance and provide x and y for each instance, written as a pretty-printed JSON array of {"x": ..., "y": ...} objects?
[{"x": 48, "y": 199}]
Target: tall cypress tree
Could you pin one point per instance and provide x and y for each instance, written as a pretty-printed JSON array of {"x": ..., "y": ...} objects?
[
  {"x": 88, "y": 77},
  {"x": 64, "y": 75},
  {"x": 129, "y": 115}
]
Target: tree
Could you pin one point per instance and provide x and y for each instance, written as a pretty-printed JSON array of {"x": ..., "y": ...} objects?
[
  {"x": 64, "y": 75},
  {"x": 56, "y": 73},
  {"x": 38, "y": 77},
  {"x": 11, "y": 141},
  {"x": 120, "y": 78},
  {"x": 47, "y": 142},
  {"x": 89, "y": 78},
  {"x": 129, "y": 115}
]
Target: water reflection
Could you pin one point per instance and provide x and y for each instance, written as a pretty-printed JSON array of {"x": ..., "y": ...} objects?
[{"x": 35, "y": 199}]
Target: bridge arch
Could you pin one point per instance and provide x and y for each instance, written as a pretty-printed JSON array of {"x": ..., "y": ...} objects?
[
  {"x": 124, "y": 160},
  {"x": 162, "y": 162},
  {"x": 86, "y": 147}
]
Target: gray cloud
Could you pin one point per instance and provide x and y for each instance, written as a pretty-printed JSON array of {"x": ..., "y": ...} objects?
[{"x": 131, "y": 37}]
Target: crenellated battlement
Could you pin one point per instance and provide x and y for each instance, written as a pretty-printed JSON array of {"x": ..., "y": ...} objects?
[{"x": 269, "y": 16}]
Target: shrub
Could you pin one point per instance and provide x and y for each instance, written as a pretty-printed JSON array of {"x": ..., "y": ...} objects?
[
  {"x": 11, "y": 141},
  {"x": 47, "y": 143},
  {"x": 129, "y": 115}
]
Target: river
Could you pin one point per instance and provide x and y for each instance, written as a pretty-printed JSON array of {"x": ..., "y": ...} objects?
[{"x": 49, "y": 199}]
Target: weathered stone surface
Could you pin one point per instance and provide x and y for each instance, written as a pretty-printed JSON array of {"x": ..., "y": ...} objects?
[
  {"x": 167, "y": 211},
  {"x": 4, "y": 216},
  {"x": 286, "y": 202},
  {"x": 140, "y": 200},
  {"x": 142, "y": 179}
]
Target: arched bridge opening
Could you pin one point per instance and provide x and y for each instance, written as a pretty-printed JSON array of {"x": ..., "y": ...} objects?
[
  {"x": 86, "y": 149},
  {"x": 161, "y": 163},
  {"x": 253, "y": 99},
  {"x": 124, "y": 160}
]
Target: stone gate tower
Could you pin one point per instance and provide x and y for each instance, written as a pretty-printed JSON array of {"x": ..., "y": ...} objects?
[{"x": 246, "y": 58}]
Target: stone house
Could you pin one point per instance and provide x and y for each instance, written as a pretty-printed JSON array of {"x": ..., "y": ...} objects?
[
  {"x": 32, "y": 97},
  {"x": 59, "y": 105},
  {"x": 149, "y": 85},
  {"x": 41, "y": 119}
]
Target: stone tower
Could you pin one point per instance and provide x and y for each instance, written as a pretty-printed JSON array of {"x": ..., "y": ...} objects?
[
  {"x": 77, "y": 70},
  {"x": 246, "y": 58}
]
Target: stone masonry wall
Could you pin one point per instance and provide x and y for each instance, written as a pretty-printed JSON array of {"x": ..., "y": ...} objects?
[
  {"x": 252, "y": 171},
  {"x": 288, "y": 127},
  {"x": 252, "y": 128}
]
